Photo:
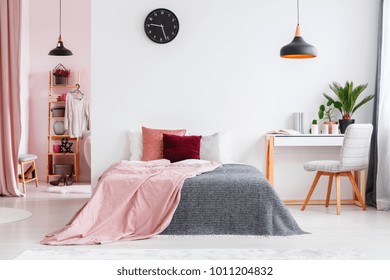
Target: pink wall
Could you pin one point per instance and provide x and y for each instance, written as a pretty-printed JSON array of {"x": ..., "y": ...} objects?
[{"x": 76, "y": 34}]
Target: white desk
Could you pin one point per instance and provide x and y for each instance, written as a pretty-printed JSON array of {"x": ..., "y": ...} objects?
[{"x": 306, "y": 140}]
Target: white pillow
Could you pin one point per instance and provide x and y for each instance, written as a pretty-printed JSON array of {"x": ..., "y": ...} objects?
[
  {"x": 225, "y": 146},
  {"x": 135, "y": 145},
  {"x": 210, "y": 148}
]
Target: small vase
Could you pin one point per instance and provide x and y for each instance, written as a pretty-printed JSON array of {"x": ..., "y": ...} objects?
[
  {"x": 314, "y": 129},
  {"x": 344, "y": 124},
  {"x": 330, "y": 127}
]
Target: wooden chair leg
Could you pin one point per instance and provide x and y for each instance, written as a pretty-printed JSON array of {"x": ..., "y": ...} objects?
[
  {"x": 34, "y": 173},
  {"x": 338, "y": 194},
  {"x": 313, "y": 186},
  {"x": 356, "y": 190},
  {"x": 23, "y": 178},
  {"x": 330, "y": 182}
]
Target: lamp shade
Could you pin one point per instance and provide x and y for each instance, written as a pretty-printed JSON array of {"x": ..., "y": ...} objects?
[
  {"x": 298, "y": 48},
  {"x": 60, "y": 50}
]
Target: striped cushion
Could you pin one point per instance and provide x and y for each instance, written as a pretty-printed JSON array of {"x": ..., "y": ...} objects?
[{"x": 323, "y": 165}]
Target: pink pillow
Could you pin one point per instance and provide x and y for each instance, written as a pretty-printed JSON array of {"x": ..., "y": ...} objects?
[
  {"x": 152, "y": 140},
  {"x": 178, "y": 148}
]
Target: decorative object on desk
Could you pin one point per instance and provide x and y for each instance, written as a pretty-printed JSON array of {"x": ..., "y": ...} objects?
[
  {"x": 58, "y": 111},
  {"x": 65, "y": 146},
  {"x": 58, "y": 128},
  {"x": 56, "y": 148},
  {"x": 61, "y": 75},
  {"x": 299, "y": 122},
  {"x": 298, "y": 48},
  {"x": 325, "y": 128},
  {"x": 60, "y": 50},
  {"x": 335, "y": 129},
  {"x": 346, "y": 103},
  {"x": 314, "y": 129},
  {"x": 325, "y": 114}
]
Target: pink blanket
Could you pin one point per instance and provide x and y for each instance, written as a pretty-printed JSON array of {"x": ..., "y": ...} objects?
[{"x": 130, "y": 201}]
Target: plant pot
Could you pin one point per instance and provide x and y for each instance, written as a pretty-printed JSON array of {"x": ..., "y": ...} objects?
[
  {"x": 344, "y": 124},
  {"x": 60, "y": 80},
  {"x": 330, "y": 127}
]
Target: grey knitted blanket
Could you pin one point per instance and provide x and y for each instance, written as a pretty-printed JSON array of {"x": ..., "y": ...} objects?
[{"x": 234, "y": 199}]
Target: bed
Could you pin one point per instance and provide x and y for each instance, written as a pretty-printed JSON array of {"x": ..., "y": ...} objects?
[
  {"x": 138, "y": 200},
  {"x": 234, "y": 199}
]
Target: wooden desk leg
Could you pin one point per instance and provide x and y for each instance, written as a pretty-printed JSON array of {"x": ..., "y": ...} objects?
[{"x": 270, "y": 159}]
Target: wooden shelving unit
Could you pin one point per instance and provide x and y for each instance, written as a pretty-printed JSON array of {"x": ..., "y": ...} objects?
[{"x": 52, "y": 157}]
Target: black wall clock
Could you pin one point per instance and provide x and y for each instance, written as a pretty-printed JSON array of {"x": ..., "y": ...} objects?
[{"x": 161, "y": 26}]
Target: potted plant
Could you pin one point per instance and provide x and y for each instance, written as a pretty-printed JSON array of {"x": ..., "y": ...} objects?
[
  {"x": 347, "y": 99},
  {"x": 61, "y": 75},
  {"x": 325, "y": 114}
]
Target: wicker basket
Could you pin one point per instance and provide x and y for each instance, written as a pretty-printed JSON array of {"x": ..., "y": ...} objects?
[
  {"x": 60, "y": 169},
  {"x": 58, "y": 111}
]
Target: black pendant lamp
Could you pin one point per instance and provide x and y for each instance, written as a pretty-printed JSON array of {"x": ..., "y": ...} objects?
[
  {"x": 60, "y": 50},
  {"x": 298, "y": 48}
]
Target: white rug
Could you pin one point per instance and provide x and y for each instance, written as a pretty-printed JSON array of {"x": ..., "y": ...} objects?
[
  {"x": 83, "y": 189},
  {"x": 10, "y": 215},
  {"x": 189, "y": 254}
]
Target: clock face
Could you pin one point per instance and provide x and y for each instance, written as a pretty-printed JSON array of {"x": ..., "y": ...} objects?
[{"x": 161, "y": 26}]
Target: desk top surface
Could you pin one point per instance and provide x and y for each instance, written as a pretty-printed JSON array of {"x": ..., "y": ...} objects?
[{"x": 305, "y": 135}]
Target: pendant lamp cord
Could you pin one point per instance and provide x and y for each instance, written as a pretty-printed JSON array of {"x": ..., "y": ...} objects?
[
  {"x": 298, "y": 11},
  {"x": 60, "y": 16}
]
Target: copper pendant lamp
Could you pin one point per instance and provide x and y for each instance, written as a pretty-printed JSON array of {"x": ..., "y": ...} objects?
[
  {"x": 60, "y": 50},
  {"x": 298, "y": 48}
]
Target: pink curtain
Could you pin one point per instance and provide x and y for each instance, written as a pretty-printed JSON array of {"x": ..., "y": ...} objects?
[{"x": 10, "y": 124}]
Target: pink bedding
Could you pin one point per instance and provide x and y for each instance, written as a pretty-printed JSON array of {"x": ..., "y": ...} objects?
[{"x": 130, "y": 201}]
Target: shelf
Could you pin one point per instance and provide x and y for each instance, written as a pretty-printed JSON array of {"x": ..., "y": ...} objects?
[
  {"x": 55, "y": 101},
  {"x": 55, "y": 93},
  {"x": 61, "y": 154},
  {"x": 59, "y": 137},
  {"x": 68, "y": 86}
]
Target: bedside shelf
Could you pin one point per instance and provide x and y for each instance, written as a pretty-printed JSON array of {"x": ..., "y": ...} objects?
[{"x": 54, "y": 91}]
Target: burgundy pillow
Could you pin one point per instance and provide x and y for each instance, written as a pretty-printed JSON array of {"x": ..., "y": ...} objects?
[{"x": 177, "y": 148}]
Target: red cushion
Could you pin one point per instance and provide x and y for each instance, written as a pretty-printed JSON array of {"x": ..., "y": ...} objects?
[{"x": 178, "y": 148}]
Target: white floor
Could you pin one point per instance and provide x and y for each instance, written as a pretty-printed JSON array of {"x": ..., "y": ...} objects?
[{"x": 365, "y": 232}]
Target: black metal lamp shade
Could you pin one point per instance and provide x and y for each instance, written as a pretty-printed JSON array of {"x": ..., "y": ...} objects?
[
  {"x": 60, "y": 50},
  {"x": 298, "y": 48}
]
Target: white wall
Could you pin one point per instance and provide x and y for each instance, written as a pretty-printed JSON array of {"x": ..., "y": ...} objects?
[{"x": 223, "y": 71}]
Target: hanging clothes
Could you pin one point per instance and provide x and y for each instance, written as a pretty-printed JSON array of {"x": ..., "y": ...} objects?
[{"x": 77, "y": 115}]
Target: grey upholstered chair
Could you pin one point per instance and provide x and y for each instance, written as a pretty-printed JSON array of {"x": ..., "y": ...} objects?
[{"x": 354, "y": 156}]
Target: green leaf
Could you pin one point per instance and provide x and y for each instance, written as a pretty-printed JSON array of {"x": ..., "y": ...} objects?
[
  {"x": 364, "y": 101},
  {"x": 338, "y": 105},
  {"x": 322, "y": 108},
  {"x": 314, "y": 122},
  {"x": 321, "y": 114},
  {"x": 329, "y": 103}
]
